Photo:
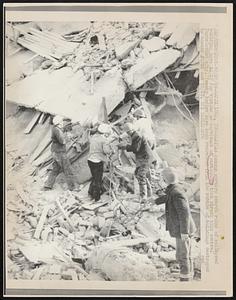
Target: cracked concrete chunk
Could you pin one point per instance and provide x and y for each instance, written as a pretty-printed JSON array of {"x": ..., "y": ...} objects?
[
  {"x": 154, "y": 44},
  {"x": 149, "y": 67}
]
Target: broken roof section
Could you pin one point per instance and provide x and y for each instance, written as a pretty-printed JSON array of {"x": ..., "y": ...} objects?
[
  {"x": 66, "y": 93},
  {"x": 104, "y": 60}
]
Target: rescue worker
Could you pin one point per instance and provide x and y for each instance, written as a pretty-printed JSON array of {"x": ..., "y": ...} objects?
[
  {"x": 139, "y": 146},
  {"x": 144, "y": 126},
  {"x": 61, "y": 162},
  {"x": 179, "y": 222},
  {"x": 99, "y": 149}
]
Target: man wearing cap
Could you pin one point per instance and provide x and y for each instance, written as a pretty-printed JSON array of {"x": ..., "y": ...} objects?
[
  {"x": 61, "y": 162},
  {"x": 179, "y": 221},
  {"x": 99, "y": 149},
  {"x": 139, "y": 146}
]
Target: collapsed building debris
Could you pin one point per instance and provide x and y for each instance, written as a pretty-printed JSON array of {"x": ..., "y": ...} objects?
[{"x": 98, "y": 72}]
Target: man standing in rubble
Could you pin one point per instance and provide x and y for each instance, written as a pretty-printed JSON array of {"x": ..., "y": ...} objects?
[
  {"x": 99, "y": 149},
  {"x": 179, "y": 222},
  {"x": 139, "y": 146},
  {"x": 61, "y": 162}
]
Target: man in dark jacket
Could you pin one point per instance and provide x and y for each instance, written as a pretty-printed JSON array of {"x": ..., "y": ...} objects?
[
  {"x": 179, "y": 222},
  {"x": 139, "y": 146},
  {"x": 61, "y": 162}
]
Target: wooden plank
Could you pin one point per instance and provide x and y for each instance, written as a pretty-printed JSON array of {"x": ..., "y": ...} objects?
[
  {"x": 43, "y": 158},
  {"x": 41, "y": 146},
  {"x": 41, "y": 221},
  {"x": 129, "y": 243},
  {"x": 101, "y": 41},
  {"x": 49, "y": 36},
  {"x": 45, "y": 46},
  {"x": 124, "y": 210},
  {"x": 64, "y": 214},
  {"x": 33, "y": 48},
  {"x": 49, "y": 44},
  {"x": 32, "y": 123},
  {"x": 43, "y": 115},
  {"x": 94, "y": 205}
]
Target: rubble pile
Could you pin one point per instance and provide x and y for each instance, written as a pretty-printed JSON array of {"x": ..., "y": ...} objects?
[{"x": 62, "y": 234}]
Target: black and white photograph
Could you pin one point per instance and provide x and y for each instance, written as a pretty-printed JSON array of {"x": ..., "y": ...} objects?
[{"x": 102, "y": 151}]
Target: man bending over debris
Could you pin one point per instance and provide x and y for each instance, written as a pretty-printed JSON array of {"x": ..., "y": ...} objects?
[
  {"x": 179, "y": 222},
  {"x": 142, "y": 150},
  {"x": 99, "y": 148},
  {"x": 144, "y": 126},
  {"x": 61, "y": 162}
]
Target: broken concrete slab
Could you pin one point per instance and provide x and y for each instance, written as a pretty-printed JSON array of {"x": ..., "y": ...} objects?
[
  {"x": 183, "y": 35},
  {"x": 149, "y": 67},
  {"x": 154, "y": 44},
  {"x": 41, "y": 252}
]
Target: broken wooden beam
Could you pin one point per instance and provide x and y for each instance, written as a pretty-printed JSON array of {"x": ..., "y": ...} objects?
[
  {"x": 41, "y": 222},
  {"x": 129, "y": 243},
  {"x": 65, "y": 214},
  {"x": 42, "y": 116},
  {"x": 94, "y": 206},
  {"x": 36, "y": 49},
  {"x": 101, "y": 42},
  {"x": 41, "y": 147},
  {"x": 124, "y": 210},
  {"x": 32, "y": 123}
]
